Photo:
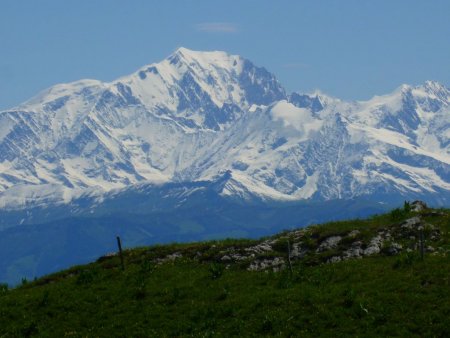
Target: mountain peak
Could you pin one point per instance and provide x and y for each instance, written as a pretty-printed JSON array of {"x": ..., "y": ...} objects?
[
  {"x": 433, "y": 84},
  {"x": 183, "y": 50},
  {"x": 206, "y": 59},
  {"x": 432, "y": 94},
  {"x": 186, "y": 52},
  {"x": 429, "y": 86},
  {"x": 434, "y": 87},
  {"x": 190, "y": 116}
]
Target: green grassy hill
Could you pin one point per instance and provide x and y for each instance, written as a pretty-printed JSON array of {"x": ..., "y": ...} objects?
[{"x": 361, "y": 278}]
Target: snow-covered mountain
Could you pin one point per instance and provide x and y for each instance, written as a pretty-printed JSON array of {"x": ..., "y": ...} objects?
[{"x": 197, "y": 115}]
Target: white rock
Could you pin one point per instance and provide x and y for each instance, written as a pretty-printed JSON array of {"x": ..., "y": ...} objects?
[
  {"x": 329, "y": 243},
  {"x": 374, "y": 246}
]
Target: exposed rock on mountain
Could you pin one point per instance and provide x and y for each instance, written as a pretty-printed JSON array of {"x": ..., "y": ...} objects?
[{"x": 197, "y": 115}]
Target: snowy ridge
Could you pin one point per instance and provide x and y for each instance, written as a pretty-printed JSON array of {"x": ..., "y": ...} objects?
[{"x": 197, "y": 115}]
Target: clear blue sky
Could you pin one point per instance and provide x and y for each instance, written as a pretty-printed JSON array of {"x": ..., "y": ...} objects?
[{"x": 347, "y": 48}]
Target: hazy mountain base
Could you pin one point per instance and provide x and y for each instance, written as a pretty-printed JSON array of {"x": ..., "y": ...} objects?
[{"x": 192, "y": 290}]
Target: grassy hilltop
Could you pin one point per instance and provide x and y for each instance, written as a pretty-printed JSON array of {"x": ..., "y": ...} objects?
[{"x": 353, "y": 278}]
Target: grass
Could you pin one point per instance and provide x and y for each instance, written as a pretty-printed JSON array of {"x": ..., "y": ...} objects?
[{"x": 198, "y": 295}]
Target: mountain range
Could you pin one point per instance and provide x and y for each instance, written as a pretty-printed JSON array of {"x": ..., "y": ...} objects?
[
  {"x": 208, "y": 132},
  {"x": 196, "y": 115}
]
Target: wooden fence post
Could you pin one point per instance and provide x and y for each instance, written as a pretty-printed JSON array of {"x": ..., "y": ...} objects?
[
  {"x": 289, "y": 257},
  {"x": 119, "y": 244},
  {"x": 422, "y": 244}
]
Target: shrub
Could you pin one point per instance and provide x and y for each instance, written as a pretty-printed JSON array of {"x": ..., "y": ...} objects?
[
  {"x": 348, "y": 298},
  {"x": 216, "y": 270},
  {"x": 45, "y": 299},
  {"x": 85, "y": 277},
  {"x": 406, "y": 259},
  {"x": 284, "y": 280},
  {"x": 396, "y": 214},
  {"x": 3, "y": 288},
  {"x": 224, "y": 293},
  {"x": 140, "y": 292},
  {"x": 406, "y": 207},
  {"x": 281, "y": 246},
  {"x": 309, "y": 243},
  {"x": 146, "y": 267}
]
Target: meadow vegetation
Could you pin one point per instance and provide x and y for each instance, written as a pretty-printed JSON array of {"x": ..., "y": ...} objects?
[{"x": 181, "y": 290}]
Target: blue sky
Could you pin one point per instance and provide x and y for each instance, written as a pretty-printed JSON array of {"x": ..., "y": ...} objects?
[{"x": 351, "y": 49}]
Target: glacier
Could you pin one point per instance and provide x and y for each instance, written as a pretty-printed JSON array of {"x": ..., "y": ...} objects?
[{"x": 197, "y": 115}]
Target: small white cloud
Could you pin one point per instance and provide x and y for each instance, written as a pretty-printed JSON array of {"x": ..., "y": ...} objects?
[{"x": 217, "y": 27}]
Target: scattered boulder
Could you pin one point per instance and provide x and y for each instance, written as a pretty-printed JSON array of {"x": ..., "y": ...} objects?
[
  {"x": 334, "y": 259},
  {"x": 394, "y": 249},
  {"x": 374, "y": 246},
  {"x": 355, "y": 251},
  {"x": 260, "y": 248},
  {"x": 435, "y": 234},
  {"x": 418, "y": 206},
  {"x": 386, "y": 235},
  {"x": 411, "y": 223},
  {"x": 275, "y": 264},
  {"x": 297, "y": 251},
  {"x": 238, "y": 257},
  {"x": 353, "y": 233},
  {"x": 336, "y": 247},
  {"x": 169, "y": 258},
  {"x": 329, "y": 243},
  {"x": 174, "y": 256}
]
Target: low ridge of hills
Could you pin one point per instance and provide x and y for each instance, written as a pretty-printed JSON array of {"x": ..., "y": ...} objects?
[{"x": 382, "y": 276}]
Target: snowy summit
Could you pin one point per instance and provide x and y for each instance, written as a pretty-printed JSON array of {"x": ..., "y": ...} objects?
[{"x": 196, "y": 115}]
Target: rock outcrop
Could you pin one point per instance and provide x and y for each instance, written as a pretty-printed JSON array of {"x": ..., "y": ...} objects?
[{"x": 311, "y": 246}]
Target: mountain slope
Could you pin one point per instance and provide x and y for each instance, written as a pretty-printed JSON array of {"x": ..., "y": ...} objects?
[{"x": 196, "y": 115}]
